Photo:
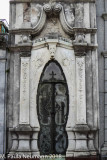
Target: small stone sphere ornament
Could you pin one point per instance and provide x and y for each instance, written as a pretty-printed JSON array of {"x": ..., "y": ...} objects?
[
  {"x": 47, "y": 8},
  {"x": 57, "y": 8},
  {"x": 25, "y": 39}
]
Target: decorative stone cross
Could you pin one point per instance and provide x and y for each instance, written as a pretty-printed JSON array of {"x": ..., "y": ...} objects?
[{"x": 52, "y": 74}]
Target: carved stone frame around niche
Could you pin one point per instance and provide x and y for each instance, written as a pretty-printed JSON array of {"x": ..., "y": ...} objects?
[{"x": 67, "y": 54}]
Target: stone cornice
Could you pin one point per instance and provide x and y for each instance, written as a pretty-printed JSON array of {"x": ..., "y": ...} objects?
[
  {"x": 30, "y": 30},
  {"x": 55, "y": 9},
  {"x": 25, "y": 48},
  {"x": 104, "y": 53},
  {"x": 79, "y": 48},
  {"x": 46, "y": 1},
  {"x": 82, "y": 48},
  {"x": 61, "y": 42},
  {"x": 104, "y": 15}
]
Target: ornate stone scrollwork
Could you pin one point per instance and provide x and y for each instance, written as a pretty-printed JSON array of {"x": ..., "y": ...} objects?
[
  {"x": 67, "y": 20},
  {"x": 24, "y": 39},
  {"x": 36, "y": 14},
  {"x": 79, "y": 38},
  {"x": 39, "y": 26},
  {"x": 69, "y": 14},
  {"x": 66, "y": 17},
  {"x": 47, "y": 8},
  {"x": 57, "y": 8}
]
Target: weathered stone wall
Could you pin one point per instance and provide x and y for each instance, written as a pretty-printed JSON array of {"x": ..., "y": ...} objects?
[
  {"x": 3, "y": 80},
  {"x": 102, "y": 54}
]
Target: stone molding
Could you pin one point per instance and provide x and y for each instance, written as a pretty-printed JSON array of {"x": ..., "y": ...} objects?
[
  {"x": 41, "y": 1},
  {"x": 104, "y": 15},
  {"x": 74, "y": 29},
  {"x": 25, "y": 49},
  {"x": 80, "y": 48},
  {"x": 53, "y": 9},
  {"x": 104, "y": 53},
  {"x": 104, "y": 149}
]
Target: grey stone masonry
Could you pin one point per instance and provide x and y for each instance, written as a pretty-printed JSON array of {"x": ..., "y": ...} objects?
[
  {"x": 102, "y": 54},
  {"x": 3, "y": 51}
]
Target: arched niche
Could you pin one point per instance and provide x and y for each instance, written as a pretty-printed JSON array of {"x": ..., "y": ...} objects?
[{"x": 52, "y": 105}]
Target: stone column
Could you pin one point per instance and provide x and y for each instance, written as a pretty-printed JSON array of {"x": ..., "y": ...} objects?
[
  {"x": 81, "y": 128},
  {"x": 2, "y": 100},
  {"x": 24, "y": 129},
  {"x": 104, "y": 148},
  {"x": 22, "y": 133},
  {"x": 81, "y": 90}
]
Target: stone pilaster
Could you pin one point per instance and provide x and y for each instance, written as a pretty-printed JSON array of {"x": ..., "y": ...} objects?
[
  {"x": 104, "y": 53},
  {"x": 3, "y": 89},
  {"x": 81, "y": 128},
  {"x": 24, "y": 91},
  {"x": 104, "y": 148}
]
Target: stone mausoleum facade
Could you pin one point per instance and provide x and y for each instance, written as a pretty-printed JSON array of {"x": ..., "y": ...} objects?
[{"x": 53, "y": 73}]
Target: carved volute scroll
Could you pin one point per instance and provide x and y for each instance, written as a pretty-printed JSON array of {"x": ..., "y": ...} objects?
[
  {"x": 40, "y": 22},
  {"x": 35, "y": 14},
  {"x": 69, "y": 14},
  {"x": 66, "y": 16}
]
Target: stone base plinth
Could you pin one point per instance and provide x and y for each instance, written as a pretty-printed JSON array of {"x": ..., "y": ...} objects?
[
  {"x": 83, "y": 158},
  {"x": 66, "y": 158}
]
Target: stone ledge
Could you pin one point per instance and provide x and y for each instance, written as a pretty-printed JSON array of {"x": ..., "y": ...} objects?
[
  {"x": 104, "y": 149},
  {"x": 83, "y": 158},
  {"x": 74, "y": 29},
  {"x": 21, "y": 48},
  {"x": 104, "y": 53},
  {"x": 81, "y": 49},
  {"x": 104, "y": 15},
  {"x": 66, "y": 158},
  {"x": 41, "y": 1},
  {"x": 24, "y": 128},
  {"x": 81, "y": 128}
]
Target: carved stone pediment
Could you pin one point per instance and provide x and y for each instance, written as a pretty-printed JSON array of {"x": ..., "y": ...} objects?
[{"x": 65, "y": 13}]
